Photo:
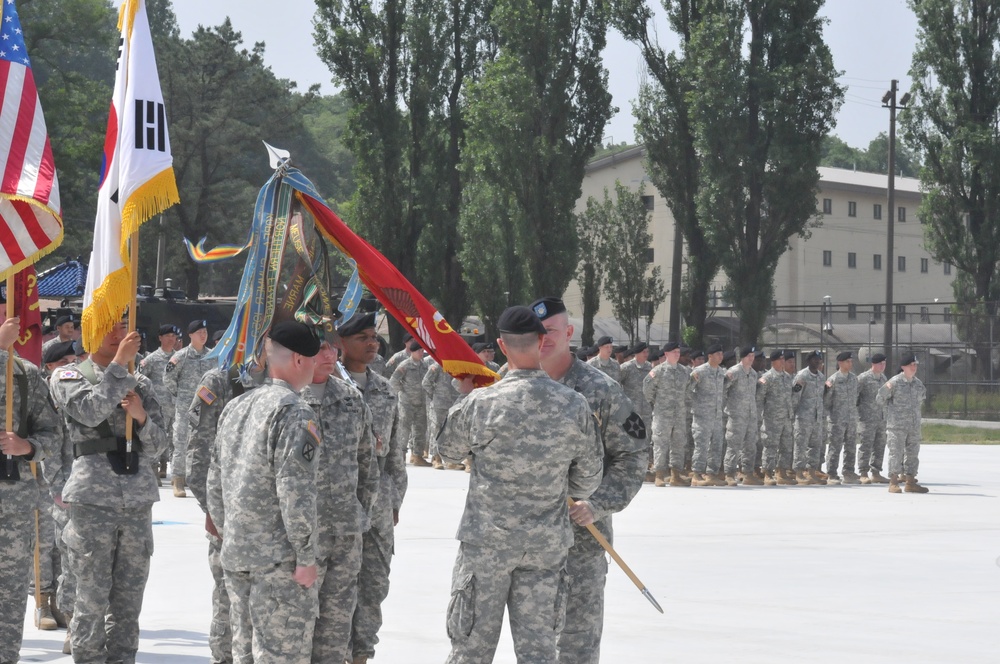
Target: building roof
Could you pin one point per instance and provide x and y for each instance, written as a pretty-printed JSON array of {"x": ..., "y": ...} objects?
[{"x": 68, "y": 279}]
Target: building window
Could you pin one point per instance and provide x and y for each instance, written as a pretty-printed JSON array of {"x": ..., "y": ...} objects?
[
  {"x": 902, "y": 213},
  {"x": 647, "y": 202},
  {"x": 900, "y": 263},
  {"x": 877, "y": 211},
  {"x": 647, "y": 255},
  {"x": 947, "y": 314},
  {"x": 925, "y": 315},
  {"x": 852, "y": 312},
  {"x": 947, "y": 268},
  {"x": 877, "y": 261},
  {"x": 877, "y": 312},
  {"x": 827, "y": 258},
  {"x": 924, "y": 265},
  {"x": 852, "y": 209},
  {"x": 901, "y": 312},
  {"x": 852, "y": 260},
  {"x": 827, "y": 206}
]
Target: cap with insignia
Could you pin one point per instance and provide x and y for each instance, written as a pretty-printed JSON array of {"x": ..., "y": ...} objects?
[
  {"x": 908, "y": 359},
  {"x": 655, "y": 355},
  {"x": 520, "y": 320},
  {"x": 747, "y": 350},
  {"x": 413, "y": 346},
  {"x": 583, "y": 353},
  {"x": 697, "y": 354},
  {"x": 669, "y": 346},
  {"x": 638, "y": 348},
  {"x": 479, "y": 347},
  {"x": 358, "y": 323},
  {"x": 878, "y": 357},
  {"x": 814, "y": 355},
  {"x": 604, "y": 341},
  {"x": 196, "y": 325},
  {"x": 713, "y": 349},
  {"x": 296, "y": 337},
  {"x": 789, "y": 354},
  {"x": 167, "y": 329},
  {"x": 62, "y": 320},
  {"x": 777, "y": 354},
  {"x": 58, "y": 351},
  {"x": 620, "y": 349},
  {"x": 843, "y": 357},
  {"x": 547, "y": 307}
]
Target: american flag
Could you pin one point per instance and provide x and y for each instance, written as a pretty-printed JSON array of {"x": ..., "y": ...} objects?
[{"x": 31, "y": 223}]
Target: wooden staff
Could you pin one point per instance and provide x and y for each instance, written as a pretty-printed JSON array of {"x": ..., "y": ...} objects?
[
  {"x": 133, "y": 249},
  {"x": 9, "y": 414},
  {"x": 621, "y": 563}
]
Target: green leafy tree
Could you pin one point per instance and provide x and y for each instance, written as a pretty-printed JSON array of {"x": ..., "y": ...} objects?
[
  {"x": 873, "y": 159},
  {"x": 590, "y": 271},
  {"x": 534, "y": 119},
  {"x": 953, "y": 125}
]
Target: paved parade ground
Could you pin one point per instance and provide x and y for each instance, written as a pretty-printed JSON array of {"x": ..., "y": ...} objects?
[{"x": 756, "y": 574}]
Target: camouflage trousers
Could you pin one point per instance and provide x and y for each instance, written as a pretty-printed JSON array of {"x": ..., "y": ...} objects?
[
  {"x": 531, "y": 585},
  {"x": 808, "y": 444},
  {"x": 220, "y": 636},
  {"x": 272, "y": 616},
  {"x": 709, "y": 435},
  {"x": 871, "y": 446},
  {"x": 109, "y": 551},
  {"x": 741, "y": 445},
  {"x": 580, "y": 639},
  {"x": 66, "y": 587},
  {"x": 413, "y": 427},
  {"x": 434, "y": 424},
  {"x": 16, "y": 529},
  {"x": 843, "y": 436},
  {"x": 373, "y": 588},
  {"x": 904, "y": 450},
  {"x": 48, "y": 554},
  {"x": 337, "y": 580},
  {"x": 669, "y": 442},
  {"x": 178, "y": 462},
  {"x": 689, "y": 445},
  {"x": 778, "y": 443}
]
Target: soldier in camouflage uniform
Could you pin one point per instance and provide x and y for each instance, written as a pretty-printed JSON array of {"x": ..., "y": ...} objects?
[
  {"x": 262, "y": 499},
  {"x": 705, "y": 389},
  {"x": 871, "y": 423},
  {"x": 110, "y": 492},
  {"x": 901, "y": 396},
  {"x": 633, "y": 373},
  {"x": 36, "y": 435},
  {"x": 485, "y": 352},
  {"x": 808, "y": 387},
  {"x": 397, "y": 357},
  {"x": 665, "y": 388},
  {"x": 774, "y": 403},
  {"x": 605, "y": 361},
  {"x": 66, "y": 330},
  {"x": 153, "y": 367},
  {"x": 515, "y": 532},
  {"x": 218, "y": 387},
  {"x": 441, "y": 395},
  {"x": 741, "y": 420},
  {"x": 624, "y": 444},
  {"x": 358, "y": 344},
  {"x": 407, "y": 382},
  {"x": 182, "y": 375},
  {"x": 841, "y": 401},
  {"x": 347, "y": 484}
]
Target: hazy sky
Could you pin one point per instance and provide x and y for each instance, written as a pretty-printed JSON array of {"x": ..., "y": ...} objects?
[{"x": 872, "y": 43}]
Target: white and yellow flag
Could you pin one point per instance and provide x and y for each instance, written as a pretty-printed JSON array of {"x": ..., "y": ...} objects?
[{"x": 137, "y": 175}]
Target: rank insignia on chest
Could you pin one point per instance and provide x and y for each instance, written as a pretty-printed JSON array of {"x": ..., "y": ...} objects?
[
  {"x": 314, "y": 430},
  {"x": 206, "y": 395}
]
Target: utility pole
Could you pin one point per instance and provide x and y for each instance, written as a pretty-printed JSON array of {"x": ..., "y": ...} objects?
[
  {"x": 889, "y": 101},
  {"x": 161, "y": 252},
  {"x": 674, "y": 332}
]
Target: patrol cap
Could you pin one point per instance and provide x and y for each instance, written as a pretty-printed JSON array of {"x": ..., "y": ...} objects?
[
  {"x": 167, "y": 329},
  {"x": 196, "y": 325},
  {"x": 843, "y": 357},
  {"x": 908, "y": 359},
  {"x": 62, "y": 320},
  {"x": 815, "y": 354},
  {"x": 296, "y": 337},
  {"x": 479, "y": 346},
  {"x": 58, "y": 351},
  {"x": 669, "y": 346},
  {"x": 878, "y": 357},
  {"x": 789, "y": 354},
  {"x": 714, "y": 348},
  {"x": 547, "y": 307},
  {"x": 520, "y": 320},
  {"x": 413, "y": 346},
  {"x": 777, "y": 354},
  {"x": 357, "y": 323},
  {"x": 604, "y": 341}
]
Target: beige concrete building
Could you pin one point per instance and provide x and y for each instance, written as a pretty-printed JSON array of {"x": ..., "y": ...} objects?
[{"x": 844, "y": 257}]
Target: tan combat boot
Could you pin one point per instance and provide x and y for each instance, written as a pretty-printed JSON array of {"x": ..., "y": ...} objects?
[
  {"x": 360, "y": 659},
  {"x": 731, "y": 480},
  {"x": 178, "y": 484},
  {"x": 650, "y": 476},
  {"x": 658, "y": 479},
  {"x": 43, "y": 615},
  {"x": 769, "y": 478},
  {"x": 894, "y": 484},
  {"x": 850, "y": 478},
  {"x": 783, "y": 478},
  {"x": 804, "y": 478},
  {"x": 161, "y": 472},
  {"x": 67, "y": 645},
  {"x": 864, "y": 479},
  {"x": 878, "y": 479},
  {"x": 819, "y": 477},
  {"x": 62, "y": 619},
  {"x": 697, "y": 479},
  {"x": 418, "y": 460},
  {"x": 436, "y": 462},
  {"x": 751, "y": 479},
  {"x": 912, "y": 486},
  {"x": 676, "y": 479}
]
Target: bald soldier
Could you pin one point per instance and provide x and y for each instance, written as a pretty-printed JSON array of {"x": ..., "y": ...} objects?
[
  {"x": 533, "y": 444},
  {"x": 624, "y": 446}
]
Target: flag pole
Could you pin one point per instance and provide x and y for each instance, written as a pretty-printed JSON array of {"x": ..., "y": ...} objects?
[
  {"x": 133, "y": 250},
  {"x": 9, "y": 401}
]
